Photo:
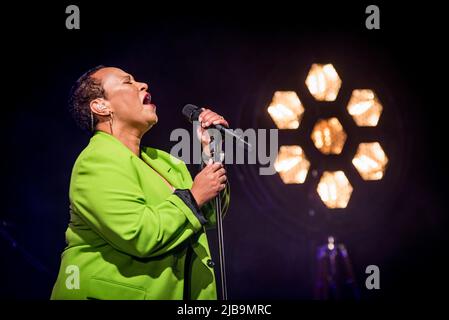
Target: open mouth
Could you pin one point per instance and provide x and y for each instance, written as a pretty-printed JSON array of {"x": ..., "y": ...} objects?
[{"x": 147, "y": 99}]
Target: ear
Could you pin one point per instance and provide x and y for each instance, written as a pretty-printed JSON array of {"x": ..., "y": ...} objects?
[{"x": 100, "y": 107}]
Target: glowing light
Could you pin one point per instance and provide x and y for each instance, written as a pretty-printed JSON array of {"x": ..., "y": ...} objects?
[
  {"x": 365, "y": 108},
  {"x": 334, "y": 189},
  {"x": 370, "y": 161},
  {"x": 330, "y": 243},
  {"x": 286, "y": 110},
  {"x": 328, "y": 136},
  {"x": 323, "y": 82},
  {"x": 292, "y": 164}
]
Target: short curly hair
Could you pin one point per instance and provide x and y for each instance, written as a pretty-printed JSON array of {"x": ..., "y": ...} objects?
[{"x": 85, "y": 89}]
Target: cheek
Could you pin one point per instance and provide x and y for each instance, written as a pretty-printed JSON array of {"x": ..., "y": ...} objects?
[
  {"x": 125, "y": 102},
  {"x": 130, "y": 96}
]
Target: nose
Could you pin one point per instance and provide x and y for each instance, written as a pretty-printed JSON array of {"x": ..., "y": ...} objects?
[{"x": 143, "y": 86}]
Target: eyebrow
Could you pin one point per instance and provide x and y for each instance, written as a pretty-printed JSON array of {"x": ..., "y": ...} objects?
[{"x": 128, "y": 77}]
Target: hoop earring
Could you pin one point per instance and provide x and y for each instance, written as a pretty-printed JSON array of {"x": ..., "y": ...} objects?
[
  {"x": 111, "y": 121},
  {"x": 91, "y": 122}
]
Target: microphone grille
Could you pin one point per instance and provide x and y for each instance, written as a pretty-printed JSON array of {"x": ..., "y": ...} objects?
[{"x": 191, "y": 112}]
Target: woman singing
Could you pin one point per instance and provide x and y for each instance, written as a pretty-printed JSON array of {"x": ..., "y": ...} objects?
[{"x": 137, "y": 220}]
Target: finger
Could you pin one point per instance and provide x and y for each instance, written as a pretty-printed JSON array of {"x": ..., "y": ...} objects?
[
  {"x": 221, "y": 172},
  {"x": 210, "y": 163},
  {"x": 222, "y": 186},
  {"x": 216, "y": 166},
  {"x": 221, "y": 121},
  {"x": 205, "y": 138},
  {"x": 210, "y": 166},
  {"x": 205, "y": 123},
  {"x": 208, "y": 114},
  {"x": 209, "y": 117},
  {"x": 222, "y": 179},
  {"x": 203, "y": 114},
  {"x": 199, "y": 131}
]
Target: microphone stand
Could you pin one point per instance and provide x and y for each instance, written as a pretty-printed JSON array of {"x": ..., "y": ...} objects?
[{"x": 215, "y": 146}]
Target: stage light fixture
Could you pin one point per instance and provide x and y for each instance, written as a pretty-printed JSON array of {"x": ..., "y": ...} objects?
[
  {"x": 328, "y": 136},
  {"x": 323, "y": 82},
  {"x": 286, "y": 110},
  {"x": 370, "y": 161},
  {"x": 334, "y": 189},
  {"x": 291, "y": 164},
  {"x": 365, "y": 108}
]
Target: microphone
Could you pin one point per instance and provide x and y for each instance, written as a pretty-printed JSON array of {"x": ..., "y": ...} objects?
[{"x": 192, "y": 112}]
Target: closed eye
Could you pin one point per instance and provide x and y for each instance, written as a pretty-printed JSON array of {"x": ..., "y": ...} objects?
[{"x": 128, "y": 80}]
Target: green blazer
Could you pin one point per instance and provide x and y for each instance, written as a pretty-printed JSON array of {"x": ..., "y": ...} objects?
[{"x": 129, "y": 235}]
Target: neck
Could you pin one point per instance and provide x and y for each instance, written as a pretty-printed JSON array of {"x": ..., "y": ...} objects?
[
  {"x": 131, "y": 140},
  {"x": 130, "y": 137}
]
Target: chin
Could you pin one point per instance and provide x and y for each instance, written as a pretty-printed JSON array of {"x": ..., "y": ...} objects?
[
  {"x": 155, "y": 119},
  {"x": 151, "y": 122}
]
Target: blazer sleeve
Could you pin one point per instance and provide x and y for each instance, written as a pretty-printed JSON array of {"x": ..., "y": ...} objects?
[{"x": 107, "y": 195}]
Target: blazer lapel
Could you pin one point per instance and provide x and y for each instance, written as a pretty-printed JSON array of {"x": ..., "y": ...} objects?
[{"x": 151, "y": 157}]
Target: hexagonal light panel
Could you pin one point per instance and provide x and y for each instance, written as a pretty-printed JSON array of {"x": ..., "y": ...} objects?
[
  {"x": 370, "y": 161},
  {"x": 365, "y": 107},
  {"x": 292, "y": 164},
  {"x": 328, "y": 136},
  {"x": 323, "y": 82},
  {"x": 286, "y": 110},
  {"x": 334, "y": 189}
]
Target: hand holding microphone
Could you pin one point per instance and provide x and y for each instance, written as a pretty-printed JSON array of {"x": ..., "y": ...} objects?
[
  {"x": 212, "y": 179},
  {"x": 208, "y": 118},
  {"x": 193, "y": 113},
  {"x": 209, "y": 182}
]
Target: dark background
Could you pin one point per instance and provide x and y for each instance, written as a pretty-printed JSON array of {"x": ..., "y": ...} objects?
[{"x": 232, "y": 58}]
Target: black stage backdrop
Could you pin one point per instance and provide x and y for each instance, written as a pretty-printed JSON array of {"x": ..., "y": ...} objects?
[{"x": 232, "y": 58}]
